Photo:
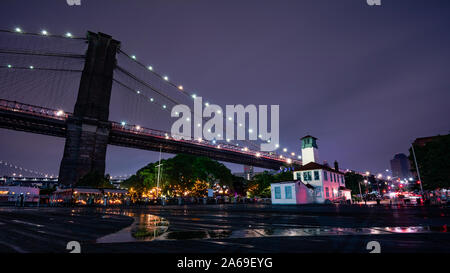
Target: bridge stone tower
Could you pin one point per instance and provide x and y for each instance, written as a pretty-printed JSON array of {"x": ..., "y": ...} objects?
[{"x": 88, "y": 129}]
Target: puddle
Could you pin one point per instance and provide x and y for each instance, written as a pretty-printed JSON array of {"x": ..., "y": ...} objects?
[
  {"x": 146, "y": 227},
  {"x": 289, "y": 232}
]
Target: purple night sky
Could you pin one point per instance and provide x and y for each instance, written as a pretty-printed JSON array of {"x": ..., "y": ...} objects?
[{"x": 366, "y": 81}]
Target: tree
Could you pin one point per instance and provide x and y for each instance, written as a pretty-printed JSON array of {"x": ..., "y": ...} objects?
[
  {"x": 239, "y": 185},
  {"x": 181, "y": 174},
  {"x": 352, "y": 179},
  {"x": 95, "y": 180},
  {"x": 260, "y": 185},
  {"x": 283, "y": 176},
  {"x": 433, "y": 160}
]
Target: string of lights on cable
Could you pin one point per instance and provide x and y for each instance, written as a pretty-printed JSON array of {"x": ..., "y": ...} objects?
[
  {"x": 181, "y": 88},
  {"x": 150, "y": 68},
  {"x": 23, "y": 169}
]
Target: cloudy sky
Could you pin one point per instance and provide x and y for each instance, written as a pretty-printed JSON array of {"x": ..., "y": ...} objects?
[{"x": 366, "y": 81}]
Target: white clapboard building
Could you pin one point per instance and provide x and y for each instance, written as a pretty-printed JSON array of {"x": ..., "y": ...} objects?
[{"x": 312, "y": 182}]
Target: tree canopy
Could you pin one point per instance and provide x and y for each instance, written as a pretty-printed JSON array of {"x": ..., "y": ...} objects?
[
  {"x": 433, "y": 160},
  {"x": 182, "y": 173}
]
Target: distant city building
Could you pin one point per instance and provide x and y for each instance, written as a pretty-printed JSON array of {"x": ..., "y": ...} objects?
[
  {"x": 249, "y": 173},
  {"x": 312, "y": 182},
  {"x": 400, "y": 166}
]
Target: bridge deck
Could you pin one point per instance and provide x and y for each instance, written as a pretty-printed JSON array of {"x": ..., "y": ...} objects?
[{"x": 39, "y": 120}]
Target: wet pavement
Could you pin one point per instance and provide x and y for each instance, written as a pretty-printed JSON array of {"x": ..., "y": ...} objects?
[{"x": 226, "y": 229}]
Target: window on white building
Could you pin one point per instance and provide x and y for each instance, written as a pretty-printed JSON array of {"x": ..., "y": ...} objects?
[
  {"x": 307, "y": 176},
  {"x": 316, "y": 175},
  {"x": 327, "y": 193},
  {"x": 277, "y": 193},
  {"x": 288, "y": 191},
  {"x": 325, "y": 175}
]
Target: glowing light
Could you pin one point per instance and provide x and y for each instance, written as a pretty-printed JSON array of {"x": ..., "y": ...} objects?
[
  {"x": 133, "y": 57},
  {"x": 9, "y": 66},
  {"x": 151, "y": 99},
  {"x": 198, "y": 125},
  {"x": 18, "y": 29},
  {"x": 293, "y": 154},
  {"x": 230, "y": 118},
  {"x": 219, "y": 112},
  {"x": 44, "y": 32},
  {"x": 188, "y": 119},
  {"x": 123, "y": 123},
  {"x": 138, "y": 127},
  {"x": 60, "y": 113},
  {"x": 245, "y": 149},
  {"x": 284, "y": 149},
  {"x": 164, "y": 106},
  {"x": 31, "y": 67},
  {"x": 277, "y": 145},
  {"x": 69, "y": 35},
  {"x": 240, "y": 124},
  {"x": 199, "y": 139},
  {"x": 206, "y": 103},
  {"x": 180, "y": 87},
  {"x": 228, "y": 140},
  {"x": 299, "y": 157},
  {"x": 250, "y": 130},
  {"x": 289, "y": 161},
  {"x": 166, "y": 78},
  {"x": 139, "y": 92},
  {"x": 194, "y": 96},
  {"x": 150, "y": 68},
  {"x": 258, "y": 154}
]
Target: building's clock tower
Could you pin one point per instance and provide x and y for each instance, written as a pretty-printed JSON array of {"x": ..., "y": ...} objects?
[{"x": 310, "y": 151}]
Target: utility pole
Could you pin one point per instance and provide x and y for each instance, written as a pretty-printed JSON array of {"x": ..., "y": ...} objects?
[
  {"x": 417, "y": 168},
  {"x": 159, "y": 172},
  {"x": 360, "y": 193}
]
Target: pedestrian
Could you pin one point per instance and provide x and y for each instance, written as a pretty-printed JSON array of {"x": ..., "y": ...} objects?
[{"x": 21, "y": 200}]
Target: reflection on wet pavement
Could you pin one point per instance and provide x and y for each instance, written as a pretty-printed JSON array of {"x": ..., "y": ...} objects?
[
  {"x": 145, "y": 227},
  {"x": 148, "y": 227},
  {"x": 288, "y": 232}
]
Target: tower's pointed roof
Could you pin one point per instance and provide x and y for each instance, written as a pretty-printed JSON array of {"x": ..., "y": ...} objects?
[{"x": 309, "y": 136}]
